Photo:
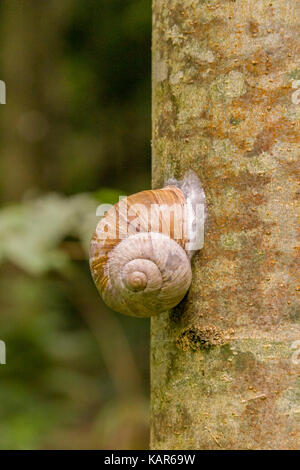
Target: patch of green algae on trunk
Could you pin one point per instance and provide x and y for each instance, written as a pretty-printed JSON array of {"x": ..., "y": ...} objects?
[{"x": 224, "y": 364}]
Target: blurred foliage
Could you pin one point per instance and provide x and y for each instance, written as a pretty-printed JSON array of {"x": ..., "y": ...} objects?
[
  {"x": 75, "y": 133},
  {"x": 30, "y": 233}
]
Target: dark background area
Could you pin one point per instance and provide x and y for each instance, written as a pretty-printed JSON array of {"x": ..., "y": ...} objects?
[{"x": 74, "y": 133}]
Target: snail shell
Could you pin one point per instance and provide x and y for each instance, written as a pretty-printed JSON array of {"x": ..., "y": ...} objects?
[{"x": 137, "y": 258}]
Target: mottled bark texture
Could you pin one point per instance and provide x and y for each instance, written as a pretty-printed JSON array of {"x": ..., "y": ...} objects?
[{"x": 225, "y": 363}]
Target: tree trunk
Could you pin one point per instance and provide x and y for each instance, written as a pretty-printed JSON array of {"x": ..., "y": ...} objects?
[{"x": 225, "y": 363}]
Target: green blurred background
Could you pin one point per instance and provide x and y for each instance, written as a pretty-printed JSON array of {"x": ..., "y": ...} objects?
[{"x": 75, "y": 132}]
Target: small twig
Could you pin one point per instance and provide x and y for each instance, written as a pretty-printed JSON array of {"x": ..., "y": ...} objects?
[
  {"x": 262, "y": 397},
  {"x": 213, "y": 437}
]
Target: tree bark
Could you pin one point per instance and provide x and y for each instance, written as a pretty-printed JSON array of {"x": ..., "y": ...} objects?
[{"x": 225, "y": 363}]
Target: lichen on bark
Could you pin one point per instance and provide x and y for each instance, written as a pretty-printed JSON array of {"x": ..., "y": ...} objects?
[{"x": 223, "y": 84}]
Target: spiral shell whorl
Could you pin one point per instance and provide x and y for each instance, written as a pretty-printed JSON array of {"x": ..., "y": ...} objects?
[{"x": 148, "y": 273}]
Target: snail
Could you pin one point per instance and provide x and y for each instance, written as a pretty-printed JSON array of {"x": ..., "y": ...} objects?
[{"x": 140, "y": 256}]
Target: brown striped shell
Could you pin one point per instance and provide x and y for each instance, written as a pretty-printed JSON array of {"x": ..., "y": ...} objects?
[{"x": 137, "y": 257}]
